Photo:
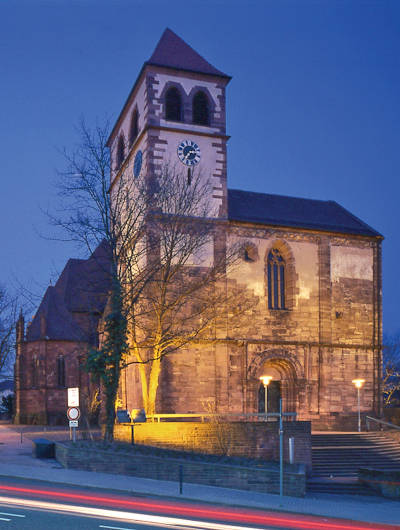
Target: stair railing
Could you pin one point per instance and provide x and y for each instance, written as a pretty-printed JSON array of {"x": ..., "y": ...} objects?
[{"x": 381, "y": 423}]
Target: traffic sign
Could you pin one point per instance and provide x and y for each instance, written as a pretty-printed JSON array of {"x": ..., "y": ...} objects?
[
  {"x": 73, "y": 423},
  {"x": 73, "y": 397},
  {"x": 73, "y": 413}
]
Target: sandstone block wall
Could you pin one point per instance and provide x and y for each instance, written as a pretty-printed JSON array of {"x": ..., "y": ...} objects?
[
  {"x": 197, "y": 472},
  {"x": 247, "y": 439}
]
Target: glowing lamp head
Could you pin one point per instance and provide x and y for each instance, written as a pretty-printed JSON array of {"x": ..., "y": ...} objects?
[
  {"x": 358, "y": 382},
  {"x": 266, "y": 379}
]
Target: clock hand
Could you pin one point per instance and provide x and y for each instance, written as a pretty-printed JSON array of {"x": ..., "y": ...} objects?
[{"x": 189, "y": 153}]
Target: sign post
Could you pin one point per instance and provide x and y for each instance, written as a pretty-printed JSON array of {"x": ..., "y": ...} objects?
[{"x": 73, "y": 412}]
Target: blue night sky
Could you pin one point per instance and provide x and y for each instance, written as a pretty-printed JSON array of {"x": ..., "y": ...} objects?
[{"x": 313, "y": 107}]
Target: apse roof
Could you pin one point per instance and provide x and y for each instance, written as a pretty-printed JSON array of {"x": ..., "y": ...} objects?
[
  {"x": 173, "y": 52},
  {"x": 82, "y": 287},
  {"x": 53, "y": 321},
  {"x": 84, "y": 284},
  {"x": 280, "y": 210}
]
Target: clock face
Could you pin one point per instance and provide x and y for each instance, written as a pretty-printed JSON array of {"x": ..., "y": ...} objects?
[
  {"x": 189, "y": 153},
  {"x": 137, "y": 164}
]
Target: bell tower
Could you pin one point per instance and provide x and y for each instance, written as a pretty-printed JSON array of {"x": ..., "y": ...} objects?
[{"x": 175, "y": 115}]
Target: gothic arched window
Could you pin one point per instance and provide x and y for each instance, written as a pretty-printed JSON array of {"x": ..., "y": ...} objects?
[
  {"x": 276, "y": 280},
  {"x": 61, "y": 371},
  {"x": 134, "y": 128},
  {"x": 35, "y": 370},
  {"x": 200, "y": 109},
  {"x": 120, "y": 151},
  {"x": 173, "y": 105}
]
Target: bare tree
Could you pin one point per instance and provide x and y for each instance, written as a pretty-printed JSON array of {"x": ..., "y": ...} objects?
[
  {"x": 8, "y": 319},
  {"x": 186, "y": 291},
  {"x": 391, "y": 369},
  {"x": 91, "y": 212},
  {"x": 167, "y": 266}
]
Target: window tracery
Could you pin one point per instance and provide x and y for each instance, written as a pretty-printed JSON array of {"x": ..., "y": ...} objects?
[{"x": 276, "y": 280}]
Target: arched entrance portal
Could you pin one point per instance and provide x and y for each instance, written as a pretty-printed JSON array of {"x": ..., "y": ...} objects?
[{"x": 282, "y": 384}]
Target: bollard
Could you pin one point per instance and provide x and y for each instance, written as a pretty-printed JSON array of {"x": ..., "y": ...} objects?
[
  {"x": 132, "y": 435},
  {"x": 291, "y": 450},
  {"x": 180, "y": 479}
]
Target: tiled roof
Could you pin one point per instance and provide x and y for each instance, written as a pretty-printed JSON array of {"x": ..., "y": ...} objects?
[
  {"x": 81, "y": 288},
  {"x": 84, "y": 284},
  {"x": 53, "y": 321},
  {"x": 173, "y": 52},
  {"x": 279, "y": 210}
]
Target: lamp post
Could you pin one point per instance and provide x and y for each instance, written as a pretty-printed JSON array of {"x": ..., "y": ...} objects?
[
  {"x": 358, "y": 384},
  {"x": 266, "y": 379}
]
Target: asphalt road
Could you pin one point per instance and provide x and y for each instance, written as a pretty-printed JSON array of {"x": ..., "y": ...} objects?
[{"x": 38, "y": 505}]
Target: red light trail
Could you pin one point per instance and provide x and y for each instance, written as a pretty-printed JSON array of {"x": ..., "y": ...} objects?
[{"x": 277, "y": 519}]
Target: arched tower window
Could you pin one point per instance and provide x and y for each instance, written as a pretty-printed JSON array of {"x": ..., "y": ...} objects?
[
  {"x": 276, "y": 280},
  {"x": 134, "y": 129},
  {"x": 200, "y": 109},
  {"x": 120, "y": 151},
  {"x": 173, "y": 105},
  {"x": 61, "y": 371}
]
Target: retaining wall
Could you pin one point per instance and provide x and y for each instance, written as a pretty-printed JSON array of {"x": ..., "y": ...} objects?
[{"x": 82, "y": 455}]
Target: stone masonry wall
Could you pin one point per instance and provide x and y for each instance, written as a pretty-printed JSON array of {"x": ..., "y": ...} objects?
[
  {"x": 248, "y": 439},
  {"x": 261, "y": 479}
]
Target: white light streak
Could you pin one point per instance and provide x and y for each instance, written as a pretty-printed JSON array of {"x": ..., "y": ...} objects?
[
  {"x": 12, "y": 514},
  {"x": 124, "y": 516}
]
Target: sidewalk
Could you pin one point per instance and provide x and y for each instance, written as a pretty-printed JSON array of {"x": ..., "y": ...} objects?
[{"x": 16, "y": 460}]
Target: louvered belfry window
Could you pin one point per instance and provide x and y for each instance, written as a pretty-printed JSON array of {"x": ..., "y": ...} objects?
[
  {"x": 173, "y": 105},
  {"x": 120, "y": 152},
  {"x": 276, "y": 280},
  {"x": 134, "y": 129},
  {"x": 201, "y": 113}
]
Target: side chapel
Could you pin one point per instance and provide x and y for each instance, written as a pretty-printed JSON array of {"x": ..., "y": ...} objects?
[{"x": 312, "y": 266}]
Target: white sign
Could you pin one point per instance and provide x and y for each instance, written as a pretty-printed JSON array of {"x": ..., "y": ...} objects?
[
  {"x": 73, "y": 413},
  {"x": 73, "y": 397},
  {"x": 73, "y": 423}
]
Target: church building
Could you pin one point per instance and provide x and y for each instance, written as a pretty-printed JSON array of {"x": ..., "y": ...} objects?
[{"x": 312, "y": 267}]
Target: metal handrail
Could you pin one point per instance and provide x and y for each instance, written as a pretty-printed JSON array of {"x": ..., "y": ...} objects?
[
  {"x": 257, "y": 415},
  {"x": 381, "y": 422}
]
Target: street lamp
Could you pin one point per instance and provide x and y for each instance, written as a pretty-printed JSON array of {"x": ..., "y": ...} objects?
[
  {"x": 266, "y": 379},
  {"x": 358, "y": 384}
]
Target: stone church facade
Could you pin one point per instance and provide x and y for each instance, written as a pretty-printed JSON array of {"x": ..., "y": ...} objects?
[{"x": 312, "y": 268}]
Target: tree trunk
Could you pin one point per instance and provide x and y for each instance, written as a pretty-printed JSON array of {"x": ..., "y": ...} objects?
[
  {"x": 145, "y": 388},
  {"x": 111, "y": 395},
  {"x": 153, "y": 386}
]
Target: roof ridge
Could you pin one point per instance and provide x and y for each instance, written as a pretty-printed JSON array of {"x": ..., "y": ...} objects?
[
  {"x": 296, "y": 212},
  {"x": 280, "y": 195}
]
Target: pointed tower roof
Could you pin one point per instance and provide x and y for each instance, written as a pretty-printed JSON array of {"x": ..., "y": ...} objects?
[{"x": 173, "y": 52}]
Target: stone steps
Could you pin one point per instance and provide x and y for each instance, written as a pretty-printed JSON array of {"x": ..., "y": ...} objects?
[{"x": 336, "y": 458}]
